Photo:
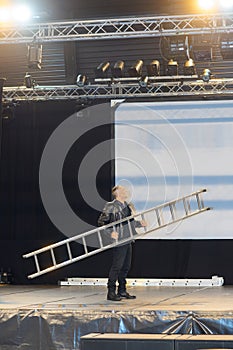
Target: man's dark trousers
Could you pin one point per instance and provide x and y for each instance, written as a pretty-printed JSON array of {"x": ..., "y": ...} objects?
[{"x": 121, "y": 262}]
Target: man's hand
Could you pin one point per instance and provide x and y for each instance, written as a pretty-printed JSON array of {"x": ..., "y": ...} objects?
[
  {"x": 115, "y": 235},
  {"x": 143, "y": 223}
]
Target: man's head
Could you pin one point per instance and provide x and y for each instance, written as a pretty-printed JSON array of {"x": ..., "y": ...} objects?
[{"x": 120, "y": 192}]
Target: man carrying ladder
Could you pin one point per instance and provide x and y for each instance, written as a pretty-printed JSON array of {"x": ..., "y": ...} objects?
[
  {"x": 118, "y": 233},
  {"x": 121, "y": 255}
]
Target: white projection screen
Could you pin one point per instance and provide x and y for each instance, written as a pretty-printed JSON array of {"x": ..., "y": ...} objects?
[{"x": 165, "y": 150}]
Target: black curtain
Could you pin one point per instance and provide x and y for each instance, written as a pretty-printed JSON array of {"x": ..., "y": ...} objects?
[
  {"x": 25, "y": 225},
  {"x": 2, "y": 81}
]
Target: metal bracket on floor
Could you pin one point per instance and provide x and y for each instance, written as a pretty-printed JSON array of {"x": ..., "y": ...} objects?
[{"x": 215, "y": 281}]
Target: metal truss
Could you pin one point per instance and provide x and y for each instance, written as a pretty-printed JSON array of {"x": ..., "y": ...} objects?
[
  {"x": 177, "y": 88},
  {"x": 118, "y": 28}
]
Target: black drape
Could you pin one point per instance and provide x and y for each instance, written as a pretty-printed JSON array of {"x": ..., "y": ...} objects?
[
  {"x": 1, "y": 90},
  {"x": 25, "y": 225}
]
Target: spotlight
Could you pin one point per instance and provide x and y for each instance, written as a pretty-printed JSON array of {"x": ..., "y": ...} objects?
[
  {"x": 172, "y": 67},
  {"x": 226, "y": 47},
  {"x": 206, "y": 4},
  {"x": 81, "y": 80},
  {"x": 202, "y": 47},
  {"x": 8, "y": 113},
  {"x": 21, "y": 13},
  {"x": 176, "y": 47},
  {"x": 179, "y": 48},
  {"x": 144, "y": 81},
  {"x": 226, "y": 3},
  {"x": 34, "y": 56},
  {"x": 118, "y": 69},
  {"x": 189, "y": 67},
  {"x": 28, "y": 81},
  {"x": 206, "y": 75},
  {"x": 5, "y": 15},
  {"x": 102, "y": 70},
  {"x": 153, "y": 69},
  {"x": 136, "y": 69}
]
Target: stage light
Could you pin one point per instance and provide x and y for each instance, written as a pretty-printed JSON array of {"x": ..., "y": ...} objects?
[
  {"x": 226, "y": 46},
  {"x": 34, "y": 56},
  {"x": 172, "y": 67},
  {"x": 206, "y": 4},
  {"x": 202, "y": 47},
  {"x": 81, "y": 80},
  {"x": 206, "y": 75},
  {"x": 21, "y": 13},
  {"x": 8, "y": 113},
  {"x": 136, "y": 69},
  {"x": 28, "y": 82},
  {"x": 178, "y": 48},
  {"x": 226, "y": 3},
  {"x": 5, "y": 14},
  {"x": 118, "y": 69},
  {"x": 153, "y": 69},
  {"x": 102, "y": 70},
  {"x": 144, "y": 81},
  {"x": 189, "y": 67}
]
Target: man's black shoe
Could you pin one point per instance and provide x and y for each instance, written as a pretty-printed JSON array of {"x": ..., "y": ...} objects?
[
  {"x": 113, "y": 297},
  {"x": 126, "y": 295}
]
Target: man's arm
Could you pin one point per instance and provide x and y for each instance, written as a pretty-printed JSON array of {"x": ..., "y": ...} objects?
[{"x": 106, "y": 217}]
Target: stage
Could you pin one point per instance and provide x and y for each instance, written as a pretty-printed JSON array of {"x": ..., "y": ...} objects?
[{"x": 55, "y": 317}]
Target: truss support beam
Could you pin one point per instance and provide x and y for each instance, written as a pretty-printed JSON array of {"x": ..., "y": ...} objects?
[
  {"x": 215, "y": 87},
  {"x": 118, "y": 28}
]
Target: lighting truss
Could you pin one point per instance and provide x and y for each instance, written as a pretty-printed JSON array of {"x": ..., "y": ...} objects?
[
  {"x": 118, "y": 28},
  {"x": 177, "y": 88}
]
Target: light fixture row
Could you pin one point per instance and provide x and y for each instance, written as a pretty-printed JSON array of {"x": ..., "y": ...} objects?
[{"x": 135, "y": 70}]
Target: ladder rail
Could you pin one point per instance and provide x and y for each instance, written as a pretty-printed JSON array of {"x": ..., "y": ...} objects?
[
  {"x": 161, "y": 221},
  {"x": 105, "y": 227}
]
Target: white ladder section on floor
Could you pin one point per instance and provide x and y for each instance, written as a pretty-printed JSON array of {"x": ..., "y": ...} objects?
[{"x": 99, "y": 239}]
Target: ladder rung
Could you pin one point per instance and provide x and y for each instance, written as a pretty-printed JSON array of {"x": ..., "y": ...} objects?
[
  {"x": 172, "y": 210},
  {"x": 186, "y": 206},
  {"x": 53, "y": 257},
  {"x": 100, "y": 239},
  {"x": 37, "y": 263},
  {"x": 130, "y": 228},
  {"x": 159, "y": 216},
  {"x": 69, "y": 251},
  {"x": 143, "y": 218},
  {"x": 85, "y": 245},
  {"x": 200, "y": 202}
]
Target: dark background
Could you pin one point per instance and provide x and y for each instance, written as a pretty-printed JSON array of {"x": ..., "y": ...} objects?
[{"x": 24, "y": 224}]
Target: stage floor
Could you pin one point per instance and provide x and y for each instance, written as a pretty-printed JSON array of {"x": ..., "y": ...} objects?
[
  {"x": 208, "y": 299},
  {"x": 56, "y": 317}
]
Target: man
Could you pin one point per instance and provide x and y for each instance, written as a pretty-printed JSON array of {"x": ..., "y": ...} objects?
[{"x": 113, "y": 211}]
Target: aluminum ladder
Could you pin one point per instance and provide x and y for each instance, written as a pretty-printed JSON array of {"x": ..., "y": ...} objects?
[{"x": 99, "y": 239}]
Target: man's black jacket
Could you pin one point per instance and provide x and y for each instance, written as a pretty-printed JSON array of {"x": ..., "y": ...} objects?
[{"x": 114, "y": 211}]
